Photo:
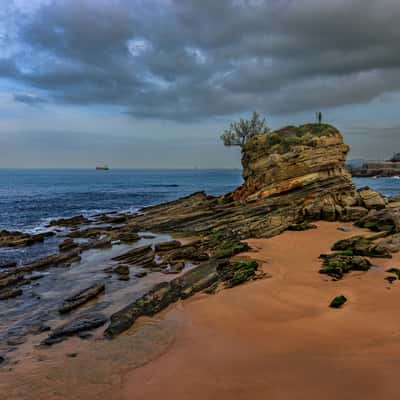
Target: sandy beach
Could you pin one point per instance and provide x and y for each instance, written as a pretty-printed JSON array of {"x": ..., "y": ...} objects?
[{"x": 274, "y": 338}]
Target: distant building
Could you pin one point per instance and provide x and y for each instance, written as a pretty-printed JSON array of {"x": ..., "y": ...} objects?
[{"x": 395, "y": 158}]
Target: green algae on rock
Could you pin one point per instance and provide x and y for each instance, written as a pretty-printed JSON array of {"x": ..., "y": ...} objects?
[
  {"x": 338, "y": 301},
  {"x": 362, "y": 246},
  {"x": 336, "y": 264}
]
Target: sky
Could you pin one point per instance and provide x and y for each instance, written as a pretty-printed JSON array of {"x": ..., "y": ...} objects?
[{"x": 153, "y": 83}]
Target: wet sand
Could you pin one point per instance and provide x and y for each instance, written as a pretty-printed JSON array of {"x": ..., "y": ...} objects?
[{"x": 269, "y": 339}]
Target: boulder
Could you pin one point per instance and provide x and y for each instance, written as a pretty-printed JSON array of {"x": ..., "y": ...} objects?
[
  {"x": 371, "y": 199},
  {"x": 387, "y": 220},
  {"x": 167, "y": 246},
  {"x": 362, "y": 246},
  {"x": 337, "y": 265},
  {"x": 392, "y": 243},
  {"x": 344, "y": 228},
  {"x": 353, "y": 213},
  {"x": 338, "y": 301}
]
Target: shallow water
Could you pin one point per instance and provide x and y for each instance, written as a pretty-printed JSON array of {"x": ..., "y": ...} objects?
[{"x": 40, "y": 300}]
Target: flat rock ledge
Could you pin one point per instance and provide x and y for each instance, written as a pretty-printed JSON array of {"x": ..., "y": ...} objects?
[{"x": 208, "y": 275}]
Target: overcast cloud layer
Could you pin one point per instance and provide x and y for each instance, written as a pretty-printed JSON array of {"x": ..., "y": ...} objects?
[{"x": 192, "y": 61}]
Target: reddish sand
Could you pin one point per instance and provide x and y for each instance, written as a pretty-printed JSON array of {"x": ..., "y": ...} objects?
[{"x": 270, "y": 339}]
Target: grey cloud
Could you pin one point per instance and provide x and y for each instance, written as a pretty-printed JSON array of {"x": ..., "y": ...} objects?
[
  {"x": 28, "y": 98},
  {"x": 209, "y": 58}
]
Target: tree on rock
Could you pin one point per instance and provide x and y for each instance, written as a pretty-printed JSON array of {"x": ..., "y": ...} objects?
[{"x": 239, "y": 133}]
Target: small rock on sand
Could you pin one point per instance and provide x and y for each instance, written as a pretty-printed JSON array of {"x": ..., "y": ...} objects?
[{"x": 345, "y": 228}]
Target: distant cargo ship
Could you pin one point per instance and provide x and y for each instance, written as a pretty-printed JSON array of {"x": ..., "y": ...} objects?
[{"x": 102, "y": 168}]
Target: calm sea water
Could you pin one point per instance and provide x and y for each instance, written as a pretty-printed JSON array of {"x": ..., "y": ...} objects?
[{"x": 29, "y": 199}]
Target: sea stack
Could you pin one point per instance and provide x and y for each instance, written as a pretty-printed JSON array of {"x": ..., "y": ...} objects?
[{"x": 304, "y": 166}]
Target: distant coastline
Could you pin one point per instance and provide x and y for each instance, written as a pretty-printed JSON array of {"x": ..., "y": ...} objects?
[{"x": 382, "y": 169}]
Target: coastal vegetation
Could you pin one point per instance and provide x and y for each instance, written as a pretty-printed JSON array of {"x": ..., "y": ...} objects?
[{"x": 239, "y": 133}]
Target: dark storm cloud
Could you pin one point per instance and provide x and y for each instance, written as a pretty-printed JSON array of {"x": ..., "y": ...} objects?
[{"x": 192, "y": 59}]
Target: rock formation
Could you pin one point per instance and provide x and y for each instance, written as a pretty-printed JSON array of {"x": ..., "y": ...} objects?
[
  {"x": 306, "y": 162},
  {"x": 292, "y": 175}
]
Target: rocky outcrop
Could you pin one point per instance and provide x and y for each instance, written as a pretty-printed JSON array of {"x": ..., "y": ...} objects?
[
  {"x": 336, "y": 265},
  {"x": 308, "y": 159},
  {"x": 83, "y": 323},
  {"x": 387, "y": 220},
  {"x": 21, "y": 239},
  {"x": 69, "y": 222},
  {"x": 67, "y": 244},
  {"x": 362, "y": 246},
  {"x": 206, "y": 275},
  {"x": 371, "y": 199},
  {"x": 292, "y": 175}
]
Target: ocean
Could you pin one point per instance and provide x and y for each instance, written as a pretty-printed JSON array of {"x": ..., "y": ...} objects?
[{"x": 29, "y": 199}]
